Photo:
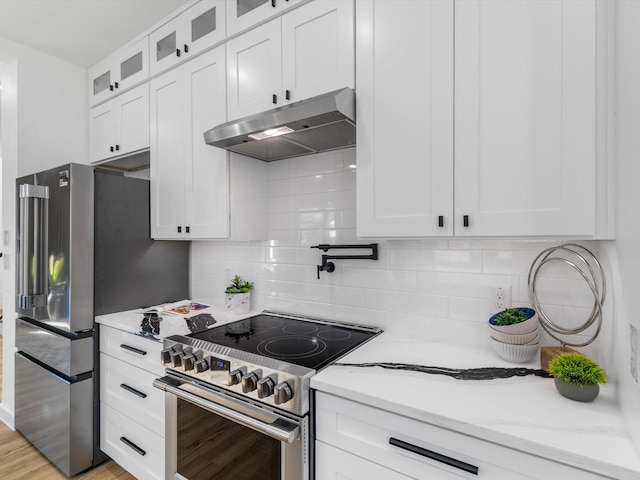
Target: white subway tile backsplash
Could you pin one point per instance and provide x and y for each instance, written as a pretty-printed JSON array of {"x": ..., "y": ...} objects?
[{"x": 436, "y": 289}]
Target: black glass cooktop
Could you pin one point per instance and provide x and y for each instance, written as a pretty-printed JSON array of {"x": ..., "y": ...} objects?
[{"x": 301, "y": 342}]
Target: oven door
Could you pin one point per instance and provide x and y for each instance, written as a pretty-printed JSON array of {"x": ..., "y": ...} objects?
[{"x": 217, "y": 436}]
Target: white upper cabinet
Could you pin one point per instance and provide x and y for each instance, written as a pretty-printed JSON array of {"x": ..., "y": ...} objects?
[
  {"x": 244, "y": 14},
  {"x": 521, "y": 156},
  {"x": 120, "y": 126},
  {"x": 306, "y": 52},
  {"x": 124, "y": 69},
  {"x": 404, "y": 112},
  {"x": 189, "y": 179},
  {"x": 317, "y": 49},
  {"x": 254, "y": 71},
  {"x": 194, "y": 30},
  {"x": 525, "y": 113}
]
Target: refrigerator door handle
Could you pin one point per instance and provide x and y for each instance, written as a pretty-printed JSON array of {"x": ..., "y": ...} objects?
[{"x": 32, "y": 246}]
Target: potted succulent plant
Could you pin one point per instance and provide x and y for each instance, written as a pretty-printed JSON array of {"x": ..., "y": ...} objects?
[
  {"x": 576, "y": 376},
  {"x": 517, "y": 320},
  {"x": 238, "y": 295}
]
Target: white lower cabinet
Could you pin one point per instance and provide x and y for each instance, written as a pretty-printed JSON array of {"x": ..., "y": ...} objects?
[
  {"x": 132, "y": 411},
  {"x": 360, "y": 442}
]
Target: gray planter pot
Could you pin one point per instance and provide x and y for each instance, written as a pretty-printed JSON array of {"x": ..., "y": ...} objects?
[{"x": 588, "y": 393}]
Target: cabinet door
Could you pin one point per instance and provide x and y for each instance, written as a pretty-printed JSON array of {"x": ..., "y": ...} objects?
[
  {"x": 525, "y": 117},
  {"x": 191, "y": 32},
  {"x": 404, "y": 111},
  {"x": 101, "y": 81},
  {"x": 243, "y": 14},
  {"x": 206, "y": 168},
  {"x": 132, "y": 64},
  {"x": 133, "y": 116},
  {"x": 169, "y": 131},
  {"x": 318, "y": 49},
  {"x": 254, "y": 71},
  {"x": 102, "y": 131}
]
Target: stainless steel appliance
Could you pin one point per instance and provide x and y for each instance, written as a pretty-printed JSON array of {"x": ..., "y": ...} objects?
[
  {"x": 82, "y": 249},
  {"x": 243, "y": 397},
  {"x": 317, "y": 124}
]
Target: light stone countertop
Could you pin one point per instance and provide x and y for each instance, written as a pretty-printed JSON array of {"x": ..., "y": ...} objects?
[
  {"x": 131, "y": 321},
  {"x": 523, "y": 413}
]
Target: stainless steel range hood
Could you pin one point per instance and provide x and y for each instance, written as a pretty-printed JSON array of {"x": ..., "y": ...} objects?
[{"x": 318, "y": 124}]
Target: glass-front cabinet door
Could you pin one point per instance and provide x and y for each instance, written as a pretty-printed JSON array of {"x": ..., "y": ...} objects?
[
  {"x": 125, "y": 68},
  {"x": 243, "y": 14},
  {"x": 194, "y": 30}
]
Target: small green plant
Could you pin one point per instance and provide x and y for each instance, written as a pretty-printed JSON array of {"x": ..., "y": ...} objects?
[
  {"x": 511, "y": 316},
  {"x": 577, "y": 369},
  {"x": 238, "y": 285}
]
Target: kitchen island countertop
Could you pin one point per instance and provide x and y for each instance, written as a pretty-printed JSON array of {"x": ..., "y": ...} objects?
[{"x": 524, "y": 413}]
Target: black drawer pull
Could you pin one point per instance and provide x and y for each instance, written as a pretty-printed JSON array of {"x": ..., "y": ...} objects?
[
  {"x": 274, "y": 98},
  {"x": 132, "y": 349},
  {"x": 133, "y": 390},
  {"x": 465, "y": 220},
  {"x": 452, "y": 462},
  {"x": 133, "y": 446},
  {"x": 177, "y": 52},
  {"x": 441, "y": 221},
  {"x": 187, "y": 229},
  {"x": 287, "y": 94},
  {"x": 186, "y": 48}
]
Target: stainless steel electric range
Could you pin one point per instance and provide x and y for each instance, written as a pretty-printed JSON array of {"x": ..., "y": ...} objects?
[{"x": 242, "y": 394}]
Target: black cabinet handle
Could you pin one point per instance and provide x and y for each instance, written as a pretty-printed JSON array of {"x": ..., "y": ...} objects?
[
  {"x": 287, "y": 94},
  {"x": 179, "y": 229},
  {"x": 133, "y": 390},
  {"x": 118, "y": 147},
  {"x": 132, "y": 349},
  {"x": 186, "y": 48},
  {"x": 111, "y": 148},
  {"x": 441, "y": 221},
  {"x": 116, "y": 84},
  {"x": 465, "y": 220},
  {"x": 438, "y": 457},
  {"x": 133, "y": 446},
  {"x": 111, "y": 87},
  {"x": 187, "y": 229},
  {"x": 274, "y": 98},
  {"x": 177, "y": 52},
  {"x": 273, "y": 3}
]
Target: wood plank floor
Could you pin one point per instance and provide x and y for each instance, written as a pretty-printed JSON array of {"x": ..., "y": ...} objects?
[{"x": 19, "y": 460}]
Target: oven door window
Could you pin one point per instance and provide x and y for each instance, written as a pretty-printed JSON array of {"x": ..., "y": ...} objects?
[{"x": 210, "y": 446}]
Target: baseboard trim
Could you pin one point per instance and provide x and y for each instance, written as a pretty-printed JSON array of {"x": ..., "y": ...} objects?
[{"x": 7, "y": 417}]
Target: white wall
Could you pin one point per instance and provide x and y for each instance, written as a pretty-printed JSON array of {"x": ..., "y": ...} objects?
[
  {"x": 439, "y": 288},
  {"x": 44, "y": 124},
  {"x": 624, "y": 254}
]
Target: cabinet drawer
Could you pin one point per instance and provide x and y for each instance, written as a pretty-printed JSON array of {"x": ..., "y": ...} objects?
[
  {"x": 366, "y": 432},
  {"x": 333, "y": 463},
  {"x": 139, "y": 351},
  {"x": 130, "y": 390},
  {"x": 135, "y": 448}
]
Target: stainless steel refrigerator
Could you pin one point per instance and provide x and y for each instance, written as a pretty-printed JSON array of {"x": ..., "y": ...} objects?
[{"x": 83, "y": 249}]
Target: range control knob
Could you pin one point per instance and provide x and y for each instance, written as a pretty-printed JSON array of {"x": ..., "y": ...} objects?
[
  {"x": 235, "y": 377},
  {"x": 188, "y": 362},
  {"x": 176, "y": 359},
  {"x": 165, "y": 355},
  {"x": 201, "y": 366},
  {"x": 249, "y": 382},
  {"x": 282, "y": 393},
  {"x": 265, "y": 387}
]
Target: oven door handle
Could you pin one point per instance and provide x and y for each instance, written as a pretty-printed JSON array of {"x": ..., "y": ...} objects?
[{"x": 279, "y": 428}]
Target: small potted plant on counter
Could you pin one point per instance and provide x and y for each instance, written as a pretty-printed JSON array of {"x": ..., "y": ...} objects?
[
  {"x": 518, "y": 320},
  {"x": 238, "y": 296},
  {"x": 576, "y": 376}
]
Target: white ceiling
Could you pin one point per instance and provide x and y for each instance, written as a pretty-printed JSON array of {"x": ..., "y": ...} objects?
[{"x": 80, "y": 31}]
